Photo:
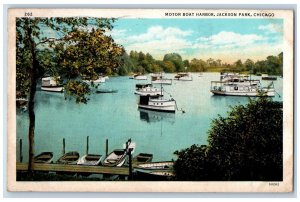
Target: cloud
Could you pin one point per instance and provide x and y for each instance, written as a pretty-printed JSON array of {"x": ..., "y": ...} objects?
[
  {"x": 156, "y": 40},
  {"x": 271, "y": 28},
  {"x": 228, "y": 40},
  {"x": 160, "y": 33}
]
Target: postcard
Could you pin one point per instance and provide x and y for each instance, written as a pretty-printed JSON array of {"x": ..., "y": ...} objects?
[{"x": 150, "y": 100}]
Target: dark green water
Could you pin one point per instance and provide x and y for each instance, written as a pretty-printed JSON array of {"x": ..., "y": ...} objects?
[{"x": 116, "y": 117}]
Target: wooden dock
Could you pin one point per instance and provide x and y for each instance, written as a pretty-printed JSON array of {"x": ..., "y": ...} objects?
[{"x": 75, "y": 168}]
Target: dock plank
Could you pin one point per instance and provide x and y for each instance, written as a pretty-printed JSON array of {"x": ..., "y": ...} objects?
[{"x": 75, "y": 168}]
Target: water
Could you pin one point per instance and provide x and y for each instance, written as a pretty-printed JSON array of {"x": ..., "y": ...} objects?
[{"x": 115, "y": 116}]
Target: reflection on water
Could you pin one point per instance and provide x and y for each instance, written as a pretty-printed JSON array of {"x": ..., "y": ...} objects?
[{"x": 155, "y": 116}]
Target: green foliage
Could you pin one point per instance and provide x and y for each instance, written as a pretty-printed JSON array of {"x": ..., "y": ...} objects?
[
  {"x": 176, "y": 59},
  {"x": 71, "y": 48},
  {"x": 246, "y": 145}
]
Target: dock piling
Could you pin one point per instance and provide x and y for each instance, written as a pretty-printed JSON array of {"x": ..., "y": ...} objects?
[
  {"x": 64, "y": 146},
  {"x": 21, "y": 155},
  {"x": 87, "y": 145},
  {"x": 106, "y": 148},
  {"x": 130, "y": 164}
]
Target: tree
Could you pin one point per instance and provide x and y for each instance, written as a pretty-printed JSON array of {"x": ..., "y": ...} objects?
[
  {"x": 249, "y": 64},
  {"x": 246, "y": 145},
  {"x": 71, "y": 51},
  {"x": 176, "y": 59}
]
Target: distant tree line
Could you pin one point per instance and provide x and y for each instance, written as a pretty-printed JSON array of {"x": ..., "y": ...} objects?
[{"x": 139, "y": 62}]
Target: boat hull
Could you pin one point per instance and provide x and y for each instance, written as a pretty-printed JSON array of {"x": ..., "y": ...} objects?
[
  {"x": 245, "y": 93},
  {"x": 55, "y": 89},
  {"x": 170, "y": 109}
]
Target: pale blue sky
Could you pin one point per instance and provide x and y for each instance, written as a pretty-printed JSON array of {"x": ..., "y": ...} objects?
[{"x": 225, "y": 39}]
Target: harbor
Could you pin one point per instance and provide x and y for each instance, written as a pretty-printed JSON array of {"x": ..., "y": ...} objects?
[{"x": 117, "y": 117}]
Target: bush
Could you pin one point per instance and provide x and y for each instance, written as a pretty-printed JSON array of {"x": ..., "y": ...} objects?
[{"x": 246, "y": 145}]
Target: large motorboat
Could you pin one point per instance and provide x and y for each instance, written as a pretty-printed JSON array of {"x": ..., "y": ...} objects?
[
  {"x": 147, "y": 90},
  {"x": 159, "y": 79},
  {"x": 157, "y": 104},
  {"x": 51, "y": 84},
  {"x": 183, "y": 76},
  {"x": 251, "y": 89}
]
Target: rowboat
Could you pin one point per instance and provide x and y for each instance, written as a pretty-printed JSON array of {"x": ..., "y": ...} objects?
[
  {"x": 70, "y": 158},
  {"x": 90, "y": 160},
  {"x": 142, "y": 158},
  {"x": 44, "y": 157},
  {"x": 118, "y": 156}
]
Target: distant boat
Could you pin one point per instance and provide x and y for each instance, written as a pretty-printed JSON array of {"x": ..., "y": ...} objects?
[
  {"x": 100, "y": 79},
  {"x": 138, "y": 77},
  {"x": 118, "y": 156},
  {"x": 106, "y": 91},
  {"x": 90, "y": 160},
  {"x": 268, "y": 77},
  {"x": 44, "y": 157},
  {"x": 147, "y": 90},
  {"x": 159, "y": 79},
  {"x": 69, "y": 158},
  {"x": 142, "y": 158},
  {"x": 184, "y": 76},
  {"x": 51, "y": 84},
  {"x": 21, "y": 103}
]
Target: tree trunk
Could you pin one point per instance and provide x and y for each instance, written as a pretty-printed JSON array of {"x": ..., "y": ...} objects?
[{"x": 33, "y": 79}]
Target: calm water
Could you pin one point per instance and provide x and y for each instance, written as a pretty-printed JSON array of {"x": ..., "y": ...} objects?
[{"x": 116, "y": 117}]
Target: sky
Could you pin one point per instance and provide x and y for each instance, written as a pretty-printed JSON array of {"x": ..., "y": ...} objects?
[{"x": 225, "y": 39}]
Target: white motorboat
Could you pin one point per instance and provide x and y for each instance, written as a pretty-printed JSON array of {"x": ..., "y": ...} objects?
[
  {"x": 147, "y": 90},
  {"x": 51, "y": 84},
  {"x": 241, "y": 89},
  {"x": 118, "y": 156},
  {"x": 157, "y": 104},
  {"x": 183, "y": 76},
  {"x": 159, "y": 79}
]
